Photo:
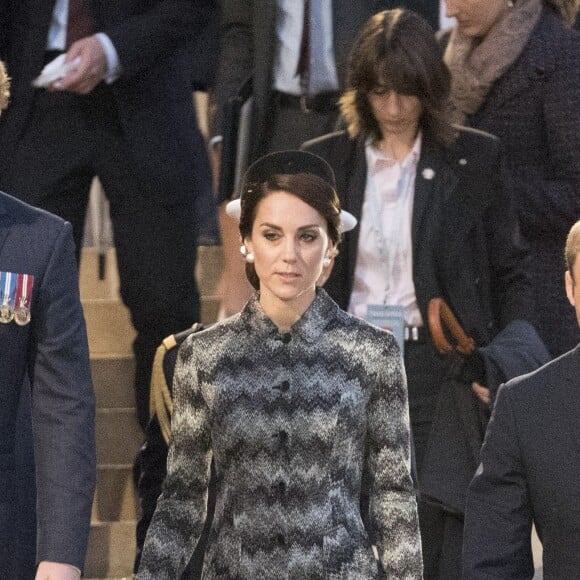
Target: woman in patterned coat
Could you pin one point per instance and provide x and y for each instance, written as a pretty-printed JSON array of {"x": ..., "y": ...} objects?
[{"x": 300, "y": 405}]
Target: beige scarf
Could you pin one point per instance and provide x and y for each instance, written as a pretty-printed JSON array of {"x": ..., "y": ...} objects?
[{"x": 476, "y": 64}]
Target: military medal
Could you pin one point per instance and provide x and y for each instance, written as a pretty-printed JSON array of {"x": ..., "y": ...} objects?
[
  {"x": 23, "y": 291},
  {"x": 7, "y": 286}
]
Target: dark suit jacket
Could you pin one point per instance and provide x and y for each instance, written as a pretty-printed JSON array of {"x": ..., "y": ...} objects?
[
  {"x": 529, "y": 471},
  {"x": 249, "y": 47},
  {"x": 52, "y": 350},
  {"x": 153, "y": 93},
  {"x": 533, "y": 108},
  {"x": 466, "y": 244}
]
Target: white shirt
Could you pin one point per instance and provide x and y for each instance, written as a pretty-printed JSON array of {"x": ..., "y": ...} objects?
[
  {"x": 289, "y": 24},
  {"x": 56, "y": 40},
  {"x": 384, "y": 263}
]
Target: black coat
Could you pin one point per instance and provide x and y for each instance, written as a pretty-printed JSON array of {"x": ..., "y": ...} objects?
[
  {"x": 466, "y": 242},
  {"x": 534, "y": 109},
  {"x": 529, "y": 472}
]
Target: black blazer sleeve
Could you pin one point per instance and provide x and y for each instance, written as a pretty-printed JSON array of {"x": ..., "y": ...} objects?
[{"x": 63, "y": 410}]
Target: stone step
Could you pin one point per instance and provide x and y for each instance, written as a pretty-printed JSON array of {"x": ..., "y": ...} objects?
[
  {"x": 208, "y": 271},
  {"x": 111, "y": 550},
  {"x": 109, "y": 328},
  {"x": 115, "y": 497},
  {"x": 91, "y": 287},
  {"x": 118, "y": 436},
  {"x": 113, "y": 379}
]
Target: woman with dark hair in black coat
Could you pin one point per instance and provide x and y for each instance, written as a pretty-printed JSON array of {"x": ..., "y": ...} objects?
[{"x": 435, "y": 221}]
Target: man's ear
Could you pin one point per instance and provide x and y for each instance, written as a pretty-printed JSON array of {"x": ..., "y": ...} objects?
[{"x": 570, "y": 287}]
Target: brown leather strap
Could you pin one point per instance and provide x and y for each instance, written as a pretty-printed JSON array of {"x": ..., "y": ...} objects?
[{"x": 439, "y": 314}]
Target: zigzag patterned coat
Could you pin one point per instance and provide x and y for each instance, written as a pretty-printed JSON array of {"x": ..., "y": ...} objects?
[{"x": 295, "y": 423}]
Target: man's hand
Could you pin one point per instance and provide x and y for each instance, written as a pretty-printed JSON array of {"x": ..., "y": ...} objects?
[
  {"x": 56, "y": 571},
  {"x": 90, "y": 71},
  {"x": 481, "y": 392}
]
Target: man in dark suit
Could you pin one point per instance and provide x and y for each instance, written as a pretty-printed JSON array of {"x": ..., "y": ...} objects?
[
  {"x": 123, "y": 112},
  {"x": 530, "y": 468},
  {"x": 43, "y": 347}
]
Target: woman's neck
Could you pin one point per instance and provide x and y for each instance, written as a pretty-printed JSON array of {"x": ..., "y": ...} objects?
[
  {"x": 285, "y": 313},
  {"x": 397, "y": 146}
]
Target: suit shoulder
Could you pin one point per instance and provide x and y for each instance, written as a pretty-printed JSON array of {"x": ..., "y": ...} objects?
[
  {"x": 23, "y": 213},
  {"x": 468, "y": 137},
  {"x": 326, "y": 142},
  {"x": 530, "y": 385}
]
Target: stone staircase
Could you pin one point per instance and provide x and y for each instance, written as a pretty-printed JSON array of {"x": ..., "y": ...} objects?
[{"x": 112, "y": 538}]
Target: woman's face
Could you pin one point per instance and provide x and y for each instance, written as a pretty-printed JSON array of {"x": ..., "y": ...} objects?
[
  {"x": 396, "y": 114},
  {"x": 476, "y": 17},
  {"x": 289, "y": 241}
]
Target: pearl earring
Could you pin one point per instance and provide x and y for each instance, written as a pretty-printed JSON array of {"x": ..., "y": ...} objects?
[
  {"x": 250, "y": 258},
  {"x": 510, "y": 4},
  {"x": 326, "y": 262},
  {"x": 243, "y": 250}
]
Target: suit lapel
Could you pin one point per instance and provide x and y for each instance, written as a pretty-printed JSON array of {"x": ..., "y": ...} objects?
[
  {"x": 4, "y": 222},
  {"x": 355, "y": 168},
  {"x": 434, "y": 182}
]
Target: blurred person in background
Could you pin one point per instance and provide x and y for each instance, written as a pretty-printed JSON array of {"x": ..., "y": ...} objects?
[{"x": 515, "y": 73}]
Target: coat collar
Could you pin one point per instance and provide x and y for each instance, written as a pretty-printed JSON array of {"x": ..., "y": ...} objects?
[
  {"x": 536, "y": 62},
  {"x": 308, "y": 328}
]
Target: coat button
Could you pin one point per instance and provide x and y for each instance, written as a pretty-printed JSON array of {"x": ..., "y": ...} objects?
[
  {"x": 283, "y": 386},
  {"x": 280, "y": 539},
  {"x": 286, "y": 338},
  {"x": 281, "y": 488},
  {"x": 283, "y": 436}
]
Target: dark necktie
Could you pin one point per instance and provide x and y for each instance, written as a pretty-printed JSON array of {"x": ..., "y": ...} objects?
[
  {"x": 81, "y": 21},
  {"x": 303, "y": 68}
]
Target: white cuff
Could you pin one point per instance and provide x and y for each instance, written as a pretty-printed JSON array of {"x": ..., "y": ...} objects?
[{"x": 113, "y": 65}]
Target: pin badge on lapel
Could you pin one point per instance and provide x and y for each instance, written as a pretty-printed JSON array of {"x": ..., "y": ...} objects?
[{"x": 428, "y": 173}]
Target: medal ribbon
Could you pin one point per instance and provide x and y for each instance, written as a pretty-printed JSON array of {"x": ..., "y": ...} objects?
[
  {"x": 8, "y": 285},
  {"x": 24, "y": 290}
]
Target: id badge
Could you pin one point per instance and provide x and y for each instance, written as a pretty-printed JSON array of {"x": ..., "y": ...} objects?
[{"x": 389, "y": 318}]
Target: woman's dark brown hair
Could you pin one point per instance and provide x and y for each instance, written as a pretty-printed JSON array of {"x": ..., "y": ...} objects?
[
  {"x": 309, "y": 188},
  {"x": 397, "y": 50}
]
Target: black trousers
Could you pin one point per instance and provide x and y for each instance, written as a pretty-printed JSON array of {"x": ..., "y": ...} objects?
[
  {"x": 441, "y": 531},
  {"x": 67, "y": 141}
]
